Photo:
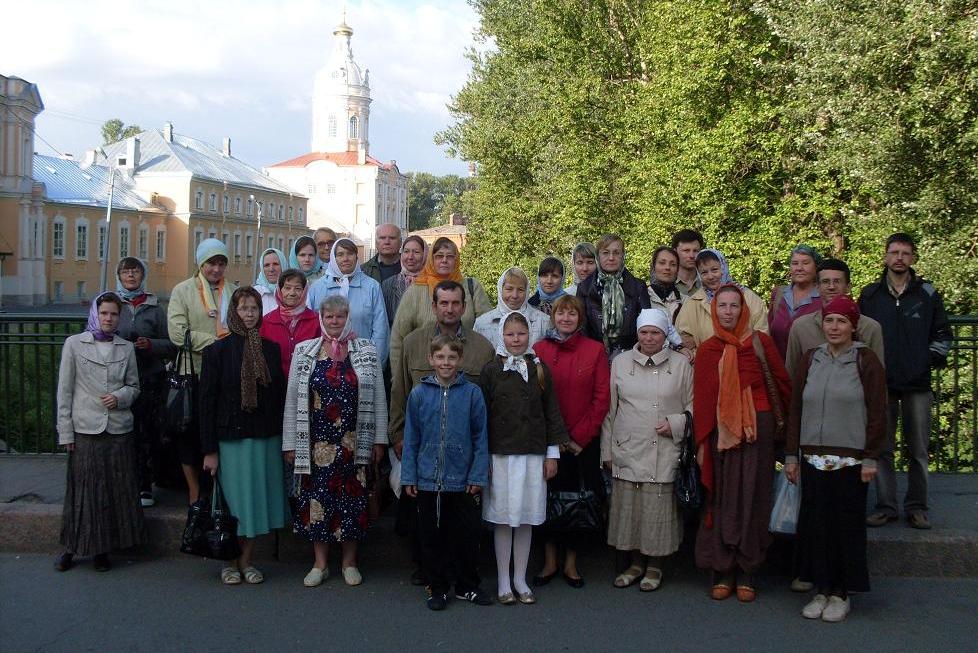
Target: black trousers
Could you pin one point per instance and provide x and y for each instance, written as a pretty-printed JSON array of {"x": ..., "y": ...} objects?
[
  {"x": 449, "y": 536},
  {"x": 146, "y": 413}
]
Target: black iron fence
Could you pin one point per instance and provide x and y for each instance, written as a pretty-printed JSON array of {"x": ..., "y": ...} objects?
[{"x": 30, "y": 353}]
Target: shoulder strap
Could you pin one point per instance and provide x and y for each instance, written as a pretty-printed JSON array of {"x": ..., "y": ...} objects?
[
  {"x": 776, "y": 297},
  {"x": 759, "y": 349},
  {"x": 471, "y": 284}
]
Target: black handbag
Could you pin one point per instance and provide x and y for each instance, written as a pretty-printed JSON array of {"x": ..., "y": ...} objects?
[
  {"x": 580, "y": 512},
  {"x": 194, "y": 540},
  {"x": 222, "y": 537},
  {"x": 689, "y": 493},
  {"x": 181, "y": 394}
]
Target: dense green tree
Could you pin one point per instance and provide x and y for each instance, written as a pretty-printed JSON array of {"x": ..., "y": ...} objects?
[
  {"x": 432, "y": 199},
  {"x": 114, "y": 130}
]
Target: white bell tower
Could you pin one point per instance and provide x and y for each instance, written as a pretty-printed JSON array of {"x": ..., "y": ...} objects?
[{"x": 341, "y": 100}]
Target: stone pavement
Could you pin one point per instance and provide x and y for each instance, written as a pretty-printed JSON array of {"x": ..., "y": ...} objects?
[{"x": 32, "y": 488}]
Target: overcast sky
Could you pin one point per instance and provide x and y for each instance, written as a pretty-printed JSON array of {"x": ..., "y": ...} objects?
[{"x": 242, "y": 69}]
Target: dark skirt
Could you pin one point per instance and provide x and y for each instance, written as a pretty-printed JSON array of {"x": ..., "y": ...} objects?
[
  {"x": 743, "y": 488},
  {"x": 102, "y": 510},
  {"x": 831, "y": 537},
  {"x": 573, "y": 472}
]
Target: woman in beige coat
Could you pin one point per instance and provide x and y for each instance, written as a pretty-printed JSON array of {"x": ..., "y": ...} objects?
[
  {"x": 695, "y": 322},
  {"x": 651, "y": 389},
  {"x": 199, "y": 305}
]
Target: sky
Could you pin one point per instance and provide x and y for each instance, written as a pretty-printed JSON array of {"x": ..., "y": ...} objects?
[{"x": 241, "y": 69}]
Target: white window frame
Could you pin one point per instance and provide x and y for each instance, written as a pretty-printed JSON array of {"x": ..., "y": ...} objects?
[
  {"x": 58, "y": 221},
  {"x": 142, "y": 248},
  {"x": 160, "y": 243},
  {"x": 237, "y": 243},
  {"x": 212, "y": 203},
  {"x": 249, "y": 245},
  {"x": 251, "y": 207},
  {"x": 124, "y": 229},
  {"x": 226, "y": 204},
  {"x": 212, "y": 233},
  {"x": 199, "y": 200},
  {"x": 80, "y": 289},
  {"x": 101, "y": 237},
  {"x": 237, "y": 205},
  {"x": 301, "y": 219}
]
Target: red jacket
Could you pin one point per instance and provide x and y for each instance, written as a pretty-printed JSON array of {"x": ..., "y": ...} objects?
[
  {"x": 276, "y": 330},
  {"x": 581, "y": 377}
]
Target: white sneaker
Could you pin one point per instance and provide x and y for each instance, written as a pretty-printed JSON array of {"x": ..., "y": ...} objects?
[
  {"x": 836, "y": 610},
  {"x": 815, "y": 608}
]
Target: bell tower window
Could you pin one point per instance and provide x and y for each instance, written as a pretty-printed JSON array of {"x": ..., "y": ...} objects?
[{"x": 353, "y": 127}]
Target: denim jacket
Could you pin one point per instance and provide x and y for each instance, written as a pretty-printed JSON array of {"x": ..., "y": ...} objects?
[{"x": 446, "y": 445}]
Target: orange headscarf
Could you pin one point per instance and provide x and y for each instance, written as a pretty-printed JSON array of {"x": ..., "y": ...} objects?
[
  {"x": 736, "y": 417},
  {"x": 429, "y": 275}
]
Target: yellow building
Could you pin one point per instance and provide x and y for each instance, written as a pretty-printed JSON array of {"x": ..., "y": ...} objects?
[{"x": 169, "y": 192}]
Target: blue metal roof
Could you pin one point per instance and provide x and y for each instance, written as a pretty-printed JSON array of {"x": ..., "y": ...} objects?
[{"x": 67, "y": 183}]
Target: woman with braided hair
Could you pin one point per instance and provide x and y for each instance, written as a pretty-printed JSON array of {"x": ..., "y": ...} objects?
[{"x": 242, "y": 396}]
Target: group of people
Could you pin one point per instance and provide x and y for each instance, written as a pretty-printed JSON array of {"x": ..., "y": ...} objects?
[{"x": 493, "y": 408}]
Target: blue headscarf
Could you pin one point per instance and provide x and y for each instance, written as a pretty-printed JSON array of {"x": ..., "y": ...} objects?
[
  {"x": 294, "y": 260},
  {"x": 93, "y": 325},
  {"x": 130, "y": 295},
  {"x": 262, "y": 280},
  {"x": 550, "y": 297},
  {"x": 724, "y": 269}
]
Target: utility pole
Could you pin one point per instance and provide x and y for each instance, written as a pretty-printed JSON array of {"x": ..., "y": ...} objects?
[{"x": 108, "y": 230}]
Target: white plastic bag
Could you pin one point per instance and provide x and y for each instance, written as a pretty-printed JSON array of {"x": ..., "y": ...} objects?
[
  {"x": 395, "y": 477},
  {"x": 787, "y": 502}
]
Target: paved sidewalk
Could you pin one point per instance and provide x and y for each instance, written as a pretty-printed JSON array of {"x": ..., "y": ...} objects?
[{"x": 32, "y": 489}]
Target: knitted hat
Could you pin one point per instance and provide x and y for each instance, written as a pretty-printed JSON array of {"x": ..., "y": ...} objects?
[{"x": 843, "y": 305}]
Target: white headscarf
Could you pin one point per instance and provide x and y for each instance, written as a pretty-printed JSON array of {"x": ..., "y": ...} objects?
[
  {"x": 333, "y": 270},
  {"x": 657, "y": 318},
  {"x": 515, "y": 362},
  {"x": 501, "y": 306}
]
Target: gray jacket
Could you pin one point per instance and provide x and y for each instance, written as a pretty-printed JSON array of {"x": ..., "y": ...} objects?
[
  {"x": 84, "y": 377},
  {"x": 149, "y": 321}
]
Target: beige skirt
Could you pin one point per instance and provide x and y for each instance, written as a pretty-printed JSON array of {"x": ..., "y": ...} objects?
[{"x": 644, "y": 517}]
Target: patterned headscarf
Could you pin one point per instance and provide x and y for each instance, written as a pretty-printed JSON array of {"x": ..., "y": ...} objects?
[
  {"x": 254, "y": 368},
  {"x": 93, "y": 326},
  {"x": 217, "y": 307},
  {"x": 262, "y": 280},
  {"x": 612, "y": 301},
  {"x": 333, "y": 270},
  {"x": 725, "y": 278}
]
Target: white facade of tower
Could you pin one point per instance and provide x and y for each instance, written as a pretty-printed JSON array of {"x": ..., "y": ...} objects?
[{"x": 341, "y": 100}]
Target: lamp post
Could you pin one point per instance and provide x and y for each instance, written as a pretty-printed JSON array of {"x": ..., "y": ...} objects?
[
  {"x": 258, "y": 247},
  {"x": 108, "y": 228}
]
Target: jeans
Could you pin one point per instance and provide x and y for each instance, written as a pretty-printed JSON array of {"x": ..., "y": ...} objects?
[
  {"x": 449, "y": 536},
  {"x": 913, "y": 409}
]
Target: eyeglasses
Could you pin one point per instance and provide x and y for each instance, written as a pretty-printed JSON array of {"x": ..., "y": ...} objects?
[
  {"x": 131, "y": 271},
  {"x": 325, "y": 243}
]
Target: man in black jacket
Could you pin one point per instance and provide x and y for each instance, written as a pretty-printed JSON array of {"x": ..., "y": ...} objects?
[{"x": 916, "y": 338}]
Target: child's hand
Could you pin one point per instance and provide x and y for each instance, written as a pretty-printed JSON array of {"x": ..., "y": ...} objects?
[
  {"x": 549, "y": 468},
  {"x": 473, "y": 489},
  {"x": 411, "y": 491}
]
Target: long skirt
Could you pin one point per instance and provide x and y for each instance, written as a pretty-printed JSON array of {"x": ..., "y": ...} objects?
[
  {"x": 644, "y": 517},
  {"x": 252, "y": 477},
  {"x": 743, "y": 489},
  {"x": 101, "y": 509},
  {"x": 832, "y": 529},
  {"x": 517, "y": 491}
]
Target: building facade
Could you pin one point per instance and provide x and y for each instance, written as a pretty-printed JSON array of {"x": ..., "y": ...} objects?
[{"x": 349, "y": 190}]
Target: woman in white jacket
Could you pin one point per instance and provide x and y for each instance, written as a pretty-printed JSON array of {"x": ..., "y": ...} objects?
[
  {"x": 97, "y": 383},
  {"x": 512, "y": 297}
]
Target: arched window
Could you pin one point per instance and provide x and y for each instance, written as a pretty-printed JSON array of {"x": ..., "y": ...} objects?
[{"x": 353, "y": 127}]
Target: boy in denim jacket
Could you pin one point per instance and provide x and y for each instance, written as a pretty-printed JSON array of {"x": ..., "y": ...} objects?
[{"x": 445, "y": 465}]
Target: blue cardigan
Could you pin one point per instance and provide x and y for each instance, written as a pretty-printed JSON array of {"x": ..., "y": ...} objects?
[
  {"x": 368, "y": 314},
  {"x": 446, "y": 445}
]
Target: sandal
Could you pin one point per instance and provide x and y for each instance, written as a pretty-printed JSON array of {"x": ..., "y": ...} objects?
[
  {"x": 746, "y": 593},
  {"x": 651, "y": 581},
  {"x": 628, "y": 577},
  {"x": 722, "y": 586},
  {"x": 231, "y": 576},
  {"x": 252, "y": 576}
]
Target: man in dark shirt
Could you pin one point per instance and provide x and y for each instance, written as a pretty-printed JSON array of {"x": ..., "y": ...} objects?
[
  {"x": 916, "y": 339},
  {"x": 387, "y": 261}
]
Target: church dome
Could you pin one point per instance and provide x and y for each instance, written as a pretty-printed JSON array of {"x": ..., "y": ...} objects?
[{"x": 342, "y": 74}]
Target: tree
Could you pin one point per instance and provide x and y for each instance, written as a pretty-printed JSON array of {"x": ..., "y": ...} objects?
[
  {"x": 114, "y": 130},
  {"x": 432, "y": 199}
]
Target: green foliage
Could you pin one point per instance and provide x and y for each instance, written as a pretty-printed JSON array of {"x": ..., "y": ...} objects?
[
  {"x": 114, "y": 130},
  {"x": 761, "y": 124},
  {"x": 432, "y": 199}
]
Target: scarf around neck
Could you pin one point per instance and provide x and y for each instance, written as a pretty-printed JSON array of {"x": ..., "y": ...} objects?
[
  {"x": 612, "y": 303},
  {"x": 93, "y": 326},
  {"x": 736, "y": 417},
  {"x": 291, "y": 315},
  {"x": 339, "y": 346},
  {"x": 216, "y": 306},
  {"x": 129, "y": 295},
  {"x": 429, "y": 275},
  {"x": 254, "y": 368},
  {"x": 333, "y": 270}
]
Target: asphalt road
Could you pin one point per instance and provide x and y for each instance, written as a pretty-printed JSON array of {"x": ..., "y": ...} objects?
[{"x": 177, "y": 604}]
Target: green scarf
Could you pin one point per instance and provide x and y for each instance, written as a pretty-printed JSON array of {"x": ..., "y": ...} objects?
[{"x": 612, "y": 303}]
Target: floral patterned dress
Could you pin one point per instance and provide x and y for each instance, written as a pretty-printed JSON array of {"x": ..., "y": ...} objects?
[{"x": 332, "y": 501}]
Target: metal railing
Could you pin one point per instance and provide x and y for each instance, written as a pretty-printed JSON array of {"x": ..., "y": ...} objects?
[{"x": 30, "y": 353}]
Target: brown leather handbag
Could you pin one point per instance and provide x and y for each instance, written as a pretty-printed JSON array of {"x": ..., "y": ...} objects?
[{"x": 773, "y": 396}]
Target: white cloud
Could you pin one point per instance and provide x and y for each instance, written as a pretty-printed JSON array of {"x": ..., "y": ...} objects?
[{"x": 223, "y": 67}]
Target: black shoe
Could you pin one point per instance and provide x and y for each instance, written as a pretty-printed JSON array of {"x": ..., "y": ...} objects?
[
  {"x": 64, "y": 562},
  {"x": 101, "y": 562},
  {"x": 418, "y": 578},
  {"x": 540, "y": 579},
  {"x": 576, "y": 583},
  {"x": 477, "y": 596},
  {"x": 436, "y": 600}
]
